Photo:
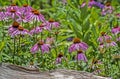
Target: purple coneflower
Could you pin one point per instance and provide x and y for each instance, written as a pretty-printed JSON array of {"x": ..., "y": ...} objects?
[
  {"x": 117, "y": 15},
  {"x": 95, "y": 3},
  {"x": 35, "y": 15},
  {"x": 103, "y": 37},
  {"x": 98, "y": 4},
  {"x": 77, "y": 45},
  {"x": 101, "y": 45},
  {"x": 110, "y": 43},
  {"x": 107, "y": 43},
  {"x": 37, "y": 29},
  {"x": 12, "y": 13},
  {"x": 22, "y": 19},
  {"x": 52, "y": 24},
  {"x": 118, "y": 39},
  {"x": 42, "y": 46},
  {"x": 20, "y": 31},
  {"x": 91, "y": 3},
  {"x": 83, "y": 4},
  {"x": 115, "y": 30},
  {"x": 108, "y": 9},
  {"x": 3, "y": 15},
  {"x": 59, "y": 58},
  {"x": 25, "y": 8},
  {"x": 81, "y": 56},
  {"x": 13, "y": 27},
  {"x": 50, "y": 40},
  {"x": 64, "y": 1},
  {"x": 13, "y": 6}
]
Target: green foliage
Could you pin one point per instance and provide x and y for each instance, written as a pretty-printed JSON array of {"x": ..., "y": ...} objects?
[{"x": 75, "y": 21}]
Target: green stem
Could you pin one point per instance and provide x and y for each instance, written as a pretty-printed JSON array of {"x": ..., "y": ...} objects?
[
  {"x": 14, "y": 50},
  {"x": 3, "y": 30},
  {"x": 0, "y": 57},
  {"x": 35, "y": 29},
  {"x": 77, "y": 63},
  {"x": 105, "y": 67},
  {"x": 55, "y": 49},
  {"x": 55, "y": 43},
  {"x": 41, "y": 36},
  {"x": 19, "y": 42},
  {"x": 56, "y": 37},
  {"x": 118, "y": 63}
]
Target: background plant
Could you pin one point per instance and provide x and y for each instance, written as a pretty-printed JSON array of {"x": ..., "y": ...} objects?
[{"x": 85, "y": 23}]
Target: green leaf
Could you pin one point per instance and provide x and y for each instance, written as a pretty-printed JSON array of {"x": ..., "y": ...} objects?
[{"x": 2, "y": 44}]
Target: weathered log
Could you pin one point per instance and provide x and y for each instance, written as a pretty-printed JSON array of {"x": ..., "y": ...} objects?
[{"x": 8, "y": 71}]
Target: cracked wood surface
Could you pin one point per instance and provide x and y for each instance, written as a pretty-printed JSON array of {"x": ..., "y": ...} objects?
[{"x": 16, "y": 73}]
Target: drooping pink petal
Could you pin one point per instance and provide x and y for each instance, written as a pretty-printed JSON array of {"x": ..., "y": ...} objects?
[
  {"x": 81, "y": 56},
  {"x": 34, "y": 49}
]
